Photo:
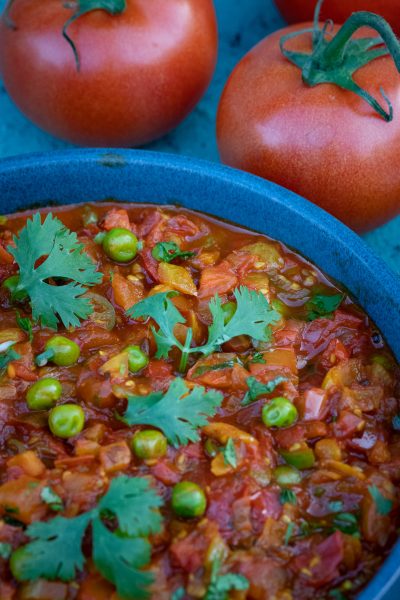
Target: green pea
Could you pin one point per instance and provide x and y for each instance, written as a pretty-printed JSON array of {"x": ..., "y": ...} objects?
[
  {"x": 11, "y": 285},
  {"x": 19, "y": 562},
  {"x": 62, "y": 351},
  {"x": 303, "y": 458},
  {"x": 120, "y": 244},
  {"x": 286, "y": 475},
  {"x": 229, "y": 309},
  {"x": 137, "y": 359},
  {"x": 43, "y": 394},
  {"x": 66, "y": 420},
  {"x": 188, "y": 500},
  {"x": 149, "y": 444},
  {"x": 280, "y": 412}
]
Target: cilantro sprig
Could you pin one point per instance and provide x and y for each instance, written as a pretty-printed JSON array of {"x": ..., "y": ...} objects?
[
  {"x": 221, "y": 585},
  {"x": 169, "y": 251},
  {"x": 322, "y": 305},
  {"x": 179, "y": 413},
  {"x": 25, "y": 325},
  {"x": 6, "y": 357},
  {"x": 229, "y": 454},
  {"x": 383, "y": 505},
  {"x": 46, "y": 252},
  {"x": 257, "y": 389},
  {"x": 253, "y": 317},
  {"x": 52, "y": 499},
  {"x": 55, "y": 551}
]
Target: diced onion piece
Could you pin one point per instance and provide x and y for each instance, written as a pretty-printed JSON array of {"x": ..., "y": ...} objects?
[
  {"x": 328, "y": 449},
  {"x": 10, "y": 336},
  {"x": 223, "y": 431},
  {"x": 127, "y": 292},
  {"x": 179, "y": 278},
  {"x": 267, "y": 252},
  {"x": 344, "y": 469},
  {"x": 29, "y": 462},
  {"x": 115, "y": 457},
  {"x": 103, "y": 311},
  {"x": 117, "y": 365}
]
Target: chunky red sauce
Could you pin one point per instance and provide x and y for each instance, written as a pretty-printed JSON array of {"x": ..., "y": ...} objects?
[{"x": 318, "y": 528}]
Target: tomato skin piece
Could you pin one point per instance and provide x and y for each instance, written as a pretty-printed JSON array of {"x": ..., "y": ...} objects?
[
  {"x": 324, "y": 143},
  {"x": 297, "y": 11},
  {"x": 141, "y": 72}
]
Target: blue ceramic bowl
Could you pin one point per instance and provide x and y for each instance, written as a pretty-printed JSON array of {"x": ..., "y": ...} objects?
[{"x": 83, "y": 175}]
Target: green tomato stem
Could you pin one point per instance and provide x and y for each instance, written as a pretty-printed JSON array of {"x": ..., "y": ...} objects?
[
  {"x": 336, "y": 60},
  {"x": 186, "y": 351},
  {"x": 335, "y": 50},
  {"x": 112, "y": 7}
]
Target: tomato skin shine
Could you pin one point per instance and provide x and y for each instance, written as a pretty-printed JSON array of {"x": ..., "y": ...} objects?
[
  {"x": 141, "y": 71},
  {"x": 298, "y": 11},
  {"x": 322, "y": 142}
]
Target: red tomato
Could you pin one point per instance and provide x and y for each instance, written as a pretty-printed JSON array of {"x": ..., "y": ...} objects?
[
  {"x": 298, "y": 11},
  {"x": 141, "y": 72},
  {"x": 322, "y": 142}
]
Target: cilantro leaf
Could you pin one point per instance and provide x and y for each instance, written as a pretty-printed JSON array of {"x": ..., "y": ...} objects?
[
  {"x": 221, "y": 585},
  {"x": 179, "y": 413},
  {"x": 56, "y": 552},
  {"x": 25, "y": 325},
  {"x": 287, "y": 497},
  {"x": 119, "y": 558},
  {"x": 347, "y": 523},
  {"x": 321, "y": 305},
  {"x": 178, "y": 594},
  {"x": 289, "y": 533},
  {"x": 169, "y": 251},
  {"x": 6, "y": 357},
  {"x": 160, "y": 308},
  {"x": 56, "y": 549},
  {"x": 134, "y": 503},
  {"x": 60, "y": 256},
  {"x": 252, "y": 317},
  {"x": 257, "y": 389},
  {"x": 229, "y": 454},
  {"x": 336, "y": 595},
  {"x": 257, "y": 358},
  {"x": 335, "y": 506},
  {"x": 52, "y": 499},
  {"x": 5, "y": 550},
  {"x": 383, "y": 505},
  {"x": 229, "y": 364},
  {"x": 396, "y": 422}
]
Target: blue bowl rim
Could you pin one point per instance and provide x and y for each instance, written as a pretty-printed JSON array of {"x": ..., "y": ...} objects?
[{"x": 317, "y": 218}]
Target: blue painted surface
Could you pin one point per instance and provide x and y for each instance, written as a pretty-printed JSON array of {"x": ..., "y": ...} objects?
[
  {"x": 91, "y": 175},
  {"x": 242, "y": 23}
]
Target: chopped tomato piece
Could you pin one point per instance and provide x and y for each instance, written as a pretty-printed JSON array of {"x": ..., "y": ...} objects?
[
  {"x": 115, "y": 457},
  {"x": 219, "y": 279},
  {"x": 320, "y": 565},
  {"x": 21, "y": 499},
  {"x": 116, "y": 217},
  {"x": 127, "y": 292}
]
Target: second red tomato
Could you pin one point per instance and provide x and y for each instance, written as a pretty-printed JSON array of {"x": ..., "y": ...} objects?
[{"x": 298, "y": 11}]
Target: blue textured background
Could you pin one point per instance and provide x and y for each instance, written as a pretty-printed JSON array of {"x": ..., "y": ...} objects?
[{"x": 242, "y": 23}]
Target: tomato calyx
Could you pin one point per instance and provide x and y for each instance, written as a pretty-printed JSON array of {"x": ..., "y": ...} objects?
[
  {"x": 335, "y": 60},
  {"x": 82, "y": 7}
]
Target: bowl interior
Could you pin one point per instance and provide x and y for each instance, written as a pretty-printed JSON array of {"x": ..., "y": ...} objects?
[{"x": 90, "y": 175}]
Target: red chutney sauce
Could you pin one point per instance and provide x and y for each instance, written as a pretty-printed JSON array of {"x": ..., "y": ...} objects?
[{"x": 188, "y": 410}]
